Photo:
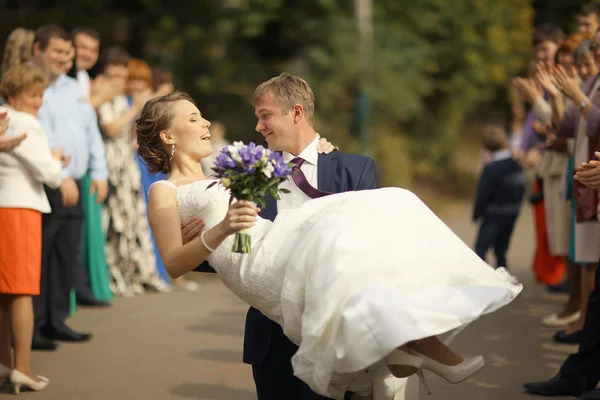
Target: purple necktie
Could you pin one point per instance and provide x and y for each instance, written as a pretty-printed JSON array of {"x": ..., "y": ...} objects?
[{"x": 302, "y": 183}]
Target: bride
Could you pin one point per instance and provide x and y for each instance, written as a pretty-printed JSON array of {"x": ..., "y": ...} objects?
[{"x": 366, "y": 283}]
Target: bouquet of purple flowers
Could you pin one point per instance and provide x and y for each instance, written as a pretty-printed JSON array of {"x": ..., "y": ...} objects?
[{"x": 250, "y": 172}]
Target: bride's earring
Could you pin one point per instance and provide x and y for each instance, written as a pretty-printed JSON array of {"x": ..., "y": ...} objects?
[{"x": 172, "y": 151}]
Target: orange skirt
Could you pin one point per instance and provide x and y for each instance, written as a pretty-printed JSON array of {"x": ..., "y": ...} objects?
[{"x": 20, "y": 251}]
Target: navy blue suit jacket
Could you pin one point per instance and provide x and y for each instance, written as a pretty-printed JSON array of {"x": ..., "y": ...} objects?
[{"x": 337, "y": 172}]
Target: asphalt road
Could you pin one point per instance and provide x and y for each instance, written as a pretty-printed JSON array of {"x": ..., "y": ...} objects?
[{"x": 184, "y": 345}]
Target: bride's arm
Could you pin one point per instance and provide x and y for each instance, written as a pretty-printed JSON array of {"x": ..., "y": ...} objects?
[{"x": 163, "y": 215}]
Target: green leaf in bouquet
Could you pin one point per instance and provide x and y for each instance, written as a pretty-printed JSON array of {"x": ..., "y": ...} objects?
[
  {"x": 282, "y": 190},
  {"x": 212, "y": 184},
  {"x": 247, "y": 191}
]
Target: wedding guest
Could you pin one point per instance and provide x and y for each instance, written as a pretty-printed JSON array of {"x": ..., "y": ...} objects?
[
  {"x": 588, "y": 18},
  {"x": 69, "y": 122},
  {"x": 563, "y": 189},
  {"x": 87, "y": 43},
  {"x": 162, "y": 81},
  {"x": 23, "y": 173},
  {"x": 92, "y": 283},
  {"x": 129, "y": 250},
  {"x": 547, "y": 39},
  {"x": 586, "y": 108},
  {"x": 579, "y": 374},
  {"x": 499, "y": 195},
  {"x": 18, "y": 48},
  {"x": 17, "y": 52}
]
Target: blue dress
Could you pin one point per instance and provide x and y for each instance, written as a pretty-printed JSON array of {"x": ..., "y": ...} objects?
[{"x": 147, "y": 180}]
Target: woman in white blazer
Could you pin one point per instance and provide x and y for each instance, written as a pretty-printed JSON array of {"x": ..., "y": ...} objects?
[{"x": 23, "y": 173}]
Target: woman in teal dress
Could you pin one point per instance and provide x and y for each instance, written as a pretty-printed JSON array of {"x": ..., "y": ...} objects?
[{"x": 94, "y": 241}]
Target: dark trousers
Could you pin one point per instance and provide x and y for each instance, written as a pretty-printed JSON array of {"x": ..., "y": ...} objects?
[
  {"x": 81, "y": 275},
  {"x": 274, "y": 377},
  {"x": 61, "y": 236},
  {"x": 583, "y": 367},
  {"x": 495, "y": 232}
]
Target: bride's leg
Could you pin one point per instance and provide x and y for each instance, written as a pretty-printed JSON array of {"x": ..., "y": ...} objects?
[{"x": 433, "y": 348}]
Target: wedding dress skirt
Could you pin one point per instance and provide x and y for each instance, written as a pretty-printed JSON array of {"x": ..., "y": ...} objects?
[{"x": 352, "y": 276}]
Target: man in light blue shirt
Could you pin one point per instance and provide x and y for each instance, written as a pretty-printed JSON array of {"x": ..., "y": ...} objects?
[{"x": 70, "y": 122}]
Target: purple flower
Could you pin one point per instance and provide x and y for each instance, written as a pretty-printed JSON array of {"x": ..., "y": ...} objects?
[
  {"x": 224, "y": 162},
  {"x": 251, "y": 156},
  {"x": 281, "y": 170}
]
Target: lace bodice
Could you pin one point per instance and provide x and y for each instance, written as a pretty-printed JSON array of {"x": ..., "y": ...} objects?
[{"x": 211, "y": 204}]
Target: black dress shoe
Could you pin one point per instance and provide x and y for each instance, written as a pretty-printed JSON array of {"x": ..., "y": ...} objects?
[
  {"x": 563, "y": 337},
  {"x": 66, "y": 334},
  {"x": 562, "y": 287},
  {"x": 88, "y": 301},
  {"x": 557, "y": 386},
  {"x": 591, "y": 395},
  {"x": 43, "y": 344}
]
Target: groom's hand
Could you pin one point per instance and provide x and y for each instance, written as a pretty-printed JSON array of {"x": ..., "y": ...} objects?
[
  {"x": 325, "y": 147},
  {"x": 191, "y": 229}
]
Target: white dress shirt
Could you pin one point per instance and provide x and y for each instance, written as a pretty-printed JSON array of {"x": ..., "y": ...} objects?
[
  {"x": 83, "y": 78},
  {"x": 297, "y": 197},
  {"x": 25, "y": 169}
]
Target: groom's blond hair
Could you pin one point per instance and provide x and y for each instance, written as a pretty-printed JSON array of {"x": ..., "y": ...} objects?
[{"x": 288, "y": 90}]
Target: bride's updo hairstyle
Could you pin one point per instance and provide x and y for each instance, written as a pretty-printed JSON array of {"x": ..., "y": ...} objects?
[{"x": 157, "y": 116}]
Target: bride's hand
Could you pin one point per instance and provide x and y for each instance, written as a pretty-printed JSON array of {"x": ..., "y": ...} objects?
[
  {"x": 325, "y": 146},
  {"x": 241, "y": 215}
]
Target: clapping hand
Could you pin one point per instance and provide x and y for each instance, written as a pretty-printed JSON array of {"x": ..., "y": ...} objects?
[
  {"x": 59, "y": 154},
  {"x": 545, "y": 77},
  {"x": 589, "y": 173},
  {"x": 528, "y": 89},
  {"x": 566, "y": 83},
  {"x": 8, "y": 143}
]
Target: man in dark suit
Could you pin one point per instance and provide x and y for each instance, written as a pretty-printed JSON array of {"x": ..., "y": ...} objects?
[
  {"x": 580, "y": 373},
  {"x": 284, "y": 106}
]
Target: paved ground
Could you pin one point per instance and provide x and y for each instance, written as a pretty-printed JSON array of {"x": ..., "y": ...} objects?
[{"x": 188, "y": 345}]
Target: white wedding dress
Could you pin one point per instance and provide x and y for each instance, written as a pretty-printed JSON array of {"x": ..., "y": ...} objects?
[{"x": 352, "y": 276}]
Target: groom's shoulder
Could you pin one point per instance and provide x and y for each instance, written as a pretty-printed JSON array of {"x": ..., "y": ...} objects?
[{"x": 352, "y": 159}]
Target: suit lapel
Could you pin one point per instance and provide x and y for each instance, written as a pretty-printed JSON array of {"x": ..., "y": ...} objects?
[
  {"x": 326, "y": 173},
  {"x": 270, "y": 210}
]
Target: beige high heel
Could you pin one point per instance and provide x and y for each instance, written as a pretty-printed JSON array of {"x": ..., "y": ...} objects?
[
  {"x": 402, "y": 364},
  {"x": 19, "y": 379},
  {"x": 452, "y": 373}
]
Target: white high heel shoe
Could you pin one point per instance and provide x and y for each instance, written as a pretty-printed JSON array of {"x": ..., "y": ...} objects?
[
  {"x": 401, "y": 364},
  {"x": 452, "y": 374},
  {"x": 19, "y": 379}
]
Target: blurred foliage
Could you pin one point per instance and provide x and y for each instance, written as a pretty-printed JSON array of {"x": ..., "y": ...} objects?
[{"x": 431, "y": 63}]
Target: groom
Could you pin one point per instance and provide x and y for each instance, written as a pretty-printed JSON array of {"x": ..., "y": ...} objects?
[{"x": 284, "y": 106}]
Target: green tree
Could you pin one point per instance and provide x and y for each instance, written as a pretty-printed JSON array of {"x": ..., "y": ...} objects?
[{"x": 432, "y": 62}]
